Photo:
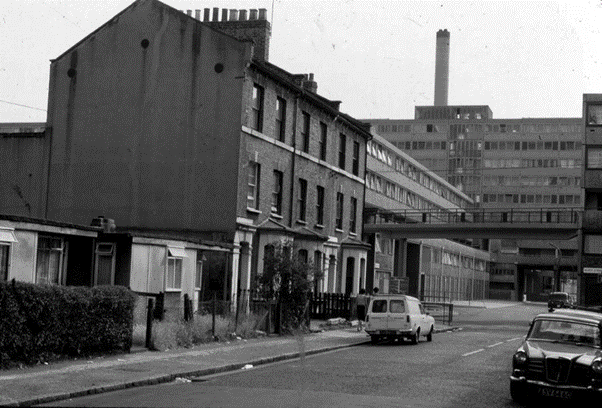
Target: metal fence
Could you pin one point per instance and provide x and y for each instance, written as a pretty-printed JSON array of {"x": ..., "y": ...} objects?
[{"x": 324, "y": 306}]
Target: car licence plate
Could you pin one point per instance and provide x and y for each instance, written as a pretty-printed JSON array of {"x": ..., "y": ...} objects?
[{"x": 554, "y": 393}]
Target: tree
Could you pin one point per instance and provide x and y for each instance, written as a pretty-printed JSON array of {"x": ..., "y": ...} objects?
[{"x": 287, "y": 279}]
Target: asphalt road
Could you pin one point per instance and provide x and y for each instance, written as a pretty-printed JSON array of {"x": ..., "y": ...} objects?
[{"x": 465, "y": 368}]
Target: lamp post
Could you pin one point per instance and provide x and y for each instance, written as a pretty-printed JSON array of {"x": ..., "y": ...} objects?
[{"x": 557, "y": 254}]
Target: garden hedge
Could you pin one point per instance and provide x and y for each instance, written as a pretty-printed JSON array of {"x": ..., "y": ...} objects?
[{"x": 41, "y": 322}]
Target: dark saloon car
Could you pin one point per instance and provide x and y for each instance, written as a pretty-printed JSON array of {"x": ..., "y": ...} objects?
[
  {"x": 557, "y": 300},
  {"x": 561, "y": 357}
]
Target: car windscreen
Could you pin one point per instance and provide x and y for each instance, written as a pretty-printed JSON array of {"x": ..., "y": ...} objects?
[
  {"x": 379, "y": 306},
  {"x": 397, "y": 306},
  {"x": 565, "y": 332}
]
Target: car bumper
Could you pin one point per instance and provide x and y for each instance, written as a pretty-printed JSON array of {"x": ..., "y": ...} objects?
[
  {"x": 574, "y": 389},
  {"x": 389, "y": 332}
]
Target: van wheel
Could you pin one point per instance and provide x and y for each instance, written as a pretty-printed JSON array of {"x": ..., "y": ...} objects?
[
  {"x": 374, "y": 339},
  {"x": 429, "y": 337},
  {"x": 416, "y": 337}
]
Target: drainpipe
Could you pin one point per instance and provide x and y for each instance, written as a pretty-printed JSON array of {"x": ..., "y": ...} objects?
[{"x": 292, "y": 188}]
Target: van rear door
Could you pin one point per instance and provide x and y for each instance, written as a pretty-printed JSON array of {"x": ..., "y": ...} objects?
[
  {"x": 378, "y": 314},
  {"x": 398, "y": 315}
]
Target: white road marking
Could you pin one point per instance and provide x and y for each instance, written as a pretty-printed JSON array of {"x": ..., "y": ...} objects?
[
  {"x": 496, "y": 344},
  {"x": 516, "y": 338},
  {"x": 473, "y": 352}
]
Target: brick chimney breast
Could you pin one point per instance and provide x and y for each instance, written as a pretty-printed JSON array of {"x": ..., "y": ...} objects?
[
  {"x": 206, "y": 14},
  {"x": 215, "y": 13},
  {"x": 257, "y": 30}
]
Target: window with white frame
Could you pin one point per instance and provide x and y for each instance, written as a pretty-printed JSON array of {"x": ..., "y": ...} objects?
[
  {"x": 4, "y": 251},
  {"x": 257, "y": 108},
  {"x": 175, "y": 259},
  {"x": 7, "y": 237},
  {"x": 105, "y": 264},
  {"x": 199, "y": 271},
  {"x": 50, "y": 257},
  {"x": 253, "y": 186}
]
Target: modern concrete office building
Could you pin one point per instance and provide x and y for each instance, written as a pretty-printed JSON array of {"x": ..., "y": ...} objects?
[
  {"x": 433, "y": 269},
  {"x": 501, "y": 163}
]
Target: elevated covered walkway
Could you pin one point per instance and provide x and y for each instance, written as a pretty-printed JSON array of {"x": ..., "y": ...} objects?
[{"x": 506, "y": 223}]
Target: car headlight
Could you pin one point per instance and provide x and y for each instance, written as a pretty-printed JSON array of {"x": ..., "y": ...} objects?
[
  {"x": 597, "y": 366},
  {"x": 520, "y": 358}
]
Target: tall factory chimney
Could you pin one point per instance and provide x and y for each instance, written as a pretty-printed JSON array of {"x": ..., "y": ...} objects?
[{"x": 442, "y": 68}]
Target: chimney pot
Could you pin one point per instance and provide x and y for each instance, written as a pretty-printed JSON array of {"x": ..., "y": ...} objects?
[
  {"x": 207, "y": 14},
  {"x": 189, "y": 12},
  {"x": 215, "y": 13},
  {"x": 233, "y": 15},
  {"x": 242, "y": 16},
  {"x": 224, "y": 14},
  {"x": 263, "y": 14},
  {"x": 253, "y": 14},
  {"x": 197, "y": 14}
]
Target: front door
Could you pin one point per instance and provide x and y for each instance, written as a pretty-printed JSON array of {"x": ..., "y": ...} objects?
[{"x": 349, "y": 275}]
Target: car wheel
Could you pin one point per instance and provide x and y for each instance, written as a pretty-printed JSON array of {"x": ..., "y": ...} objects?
[
  {"x": 416, "y": 337},
  {"x": 518, "y": 392},
  {"x": 374, "y": 339},
  {"x": 429, "y": 337}
]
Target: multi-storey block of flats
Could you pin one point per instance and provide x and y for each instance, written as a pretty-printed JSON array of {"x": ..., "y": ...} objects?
[
  {"x": 590, "y": 238},
  {"x": 503, "y": 164},
  {"x": 432, "y": 269},
  {"x": 167, "y": 123}
]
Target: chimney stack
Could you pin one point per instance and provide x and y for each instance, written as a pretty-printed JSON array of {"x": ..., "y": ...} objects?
[
  {"x": 442, "y": 68},
  {"x": 256, "y": 28}
]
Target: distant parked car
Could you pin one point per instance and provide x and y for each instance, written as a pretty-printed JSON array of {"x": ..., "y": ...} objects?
[
  {"x": 561, "y": 358},
  {"x": 398, "y": 317},
  {"x": 558, "y": 300}
]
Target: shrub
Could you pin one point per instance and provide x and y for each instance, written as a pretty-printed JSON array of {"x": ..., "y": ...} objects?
[
  {"x": 41, "y": 322},
  {"x": 170, "y": 334},
  {"x": 288, "y": 279}
]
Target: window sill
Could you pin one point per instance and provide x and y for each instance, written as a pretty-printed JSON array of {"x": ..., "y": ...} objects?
[
  {"x": 353, "y": 233},
  {"x": 320, "y": 226},
  {"x": 338, "y": 230},
  {"x": 253, "y": 210},
  {"x": 276, "y": 215},
  {"x": 172, "y": 290},
  {"x": 301, "y": 222}
]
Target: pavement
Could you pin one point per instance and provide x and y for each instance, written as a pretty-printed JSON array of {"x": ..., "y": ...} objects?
[{"x": 76, "y": 378}]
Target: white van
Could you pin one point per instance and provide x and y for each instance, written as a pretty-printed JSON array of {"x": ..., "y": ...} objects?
[{"x": 397, "y": 317}]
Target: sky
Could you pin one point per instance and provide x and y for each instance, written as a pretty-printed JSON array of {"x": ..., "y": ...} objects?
[{"x": 531, "y": 59}]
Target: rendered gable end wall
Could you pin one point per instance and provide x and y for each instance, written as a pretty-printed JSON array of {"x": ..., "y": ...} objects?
[{"x": 144, "y": 127}]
